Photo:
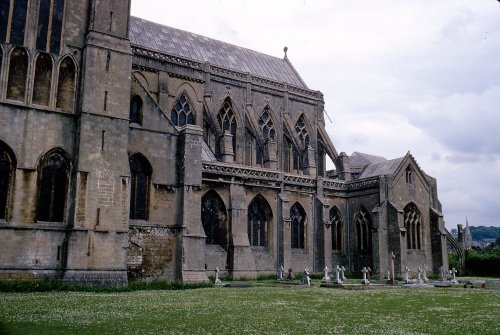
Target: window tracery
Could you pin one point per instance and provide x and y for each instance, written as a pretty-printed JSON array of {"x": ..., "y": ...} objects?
[
  {"x": 412, "y": 219},
  {"x": 363, "y": 229},
  {"x": 337, "y": 229},
  {"x": 140, "y": 181},
  {"x": 52, "y": 187},
  {"x": 214, "y": 219},
  {"x": 181, "y": 113},
  {"x": 298, "y": 218}
]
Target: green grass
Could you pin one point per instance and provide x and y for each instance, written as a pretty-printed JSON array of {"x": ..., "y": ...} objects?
[{"x": 262, "y": 309}]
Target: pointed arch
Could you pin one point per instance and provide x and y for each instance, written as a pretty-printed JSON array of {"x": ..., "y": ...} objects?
[
  {"x": 259, "y": 217},
  {"x": 140, "y": 185},
  {"x": 8, "y": 165},
  {"x": 53, "y": 182},
  {"x": 135, "y": 113},
  {"x": 337, "y": 227},
  {"x": 302, "y": 131},
  {"x": 43, "y": 78},
  {"x": 266, "y": 124},
  {"x": 298, "y": 219},
  {"x": 18, "y": 74},
  {"x": 66, "y": 85},
  {"x": 226, "y": 118},
  {"x": 182, "y": 111},
  {"x": 292, "y": 159},
  {"x": 413, "y": 223},
  {"x": 214, "y": 219},
  {"x": 363, "y": 227}
]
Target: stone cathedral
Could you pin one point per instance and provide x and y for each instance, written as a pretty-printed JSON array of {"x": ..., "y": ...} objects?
[{"x": 130, "y": 150}]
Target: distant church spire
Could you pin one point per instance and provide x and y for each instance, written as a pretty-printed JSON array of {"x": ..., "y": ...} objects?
[{"x": 468, "y": 236}]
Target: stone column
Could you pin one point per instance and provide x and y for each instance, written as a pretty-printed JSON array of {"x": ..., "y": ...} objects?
[
  {"x": 344, "y": 168},
  {"x": 285, "y": 249},
  {"x": 226, "y": 147},
  {"x": 243, "y": 261},
  {"x": 271, "y": 161},
  {"x": 310, "y": 162},
  {"x": 192, "y": 255}
]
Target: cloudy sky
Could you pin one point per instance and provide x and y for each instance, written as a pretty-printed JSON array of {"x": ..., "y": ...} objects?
[{"x": 419, "y": 75}]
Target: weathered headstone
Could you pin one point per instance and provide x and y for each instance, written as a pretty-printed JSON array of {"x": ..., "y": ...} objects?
[
  {"x": 442, "y": 273},
  {"x": 289, "y": 276},
  {"x": 419, "y": 275},
  {"x": 279, "y": 273},
  {"x": 306, "y": 280},
  {"x": 453, "y": 272},
  {"x": 365, "y": 281},
  {"x": 425, "y": 274},
  {"x": 343, "y": 277},
  {"x": 217, "y": 279},
  {"x": 388, "y": 276},
  {"x": 326, "y": 278},
  {"x": 338, "y": 280},
  {"x": 406, "y": 275}
]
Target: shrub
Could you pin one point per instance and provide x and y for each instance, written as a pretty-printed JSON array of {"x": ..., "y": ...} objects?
[{"x": 483, "y": 263}]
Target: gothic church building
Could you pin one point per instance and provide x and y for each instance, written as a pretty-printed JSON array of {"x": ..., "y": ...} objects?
[{"x": 130, "y": 150}]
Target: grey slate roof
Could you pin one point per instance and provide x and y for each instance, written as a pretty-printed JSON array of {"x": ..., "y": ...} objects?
[
  {"x": 381, "y": 169},
  {"x": 181, "y": 43},
  {"x": 359, "y": 159}
]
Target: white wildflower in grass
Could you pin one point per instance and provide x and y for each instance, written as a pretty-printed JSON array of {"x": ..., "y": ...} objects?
[{"x": 262, "y": 309}]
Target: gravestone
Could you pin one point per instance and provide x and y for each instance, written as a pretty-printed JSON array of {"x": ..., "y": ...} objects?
[
  {"x": 453, "y": 272},
  {"x": 289, "y": 276},
  {"x": 217, "y": 279},
  {"x": 326, "y": 278},
  {"x": 279, "y": 273},
  {"x": 306, "y": 280},
  {"x": 419, "y": 276},
  {"x": 338, "y": 280},
  {"x": 425, "y": 274},
  {"x": 365, "y": 281},
  {"x": 344, "y": 279},
  {"x": 406, "y": 275}
]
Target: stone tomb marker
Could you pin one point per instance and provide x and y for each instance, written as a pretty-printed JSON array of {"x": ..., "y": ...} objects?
[
  {"x": 344, "y": 279},
  {"x": 338, "y": 280},
  {"x": 406, "y": 278},
  {"x": 365, "y": 281},
  {"x": 453, "y": 272},
  {"x": 326, "y": 278},
  {"x": 217, "y": 279}
]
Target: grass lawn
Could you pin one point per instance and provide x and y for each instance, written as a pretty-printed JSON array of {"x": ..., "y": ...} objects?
[{"x": 262, "y": 309}]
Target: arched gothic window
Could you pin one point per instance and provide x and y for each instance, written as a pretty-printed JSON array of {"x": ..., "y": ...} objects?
[
  {"x": 292, "y": 160},
  {"x": 50, "y": 17},
  {"x": 301, "y": 130},
  {"x": 13, "y": 12},
  {"x": 253, "y": 151},
  {"x": 363, "y": 226},
  {"x": 214, "y": 219},
  {"x": 259, "y": 214},
  {"x": 7, "y": 170},
  {"x": 266, "y": 125},
  {"x": 141, "y": 173},
  {"x": 337, "y": 229},
  {"x": 181, "y": 113},
  {"x": 227, "y": 120},
  {"x": 66, "y": 85},
  {"x": 135, "y": 115},
  {"x": 298, "y": 219},
  {"x": 413, "y": 223},
  {"x": 43, "y": 77},
  {"x": 18, "y": 71},
  {"x": 53, "y": 184},
  {"x": 408, "y": 173}
]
